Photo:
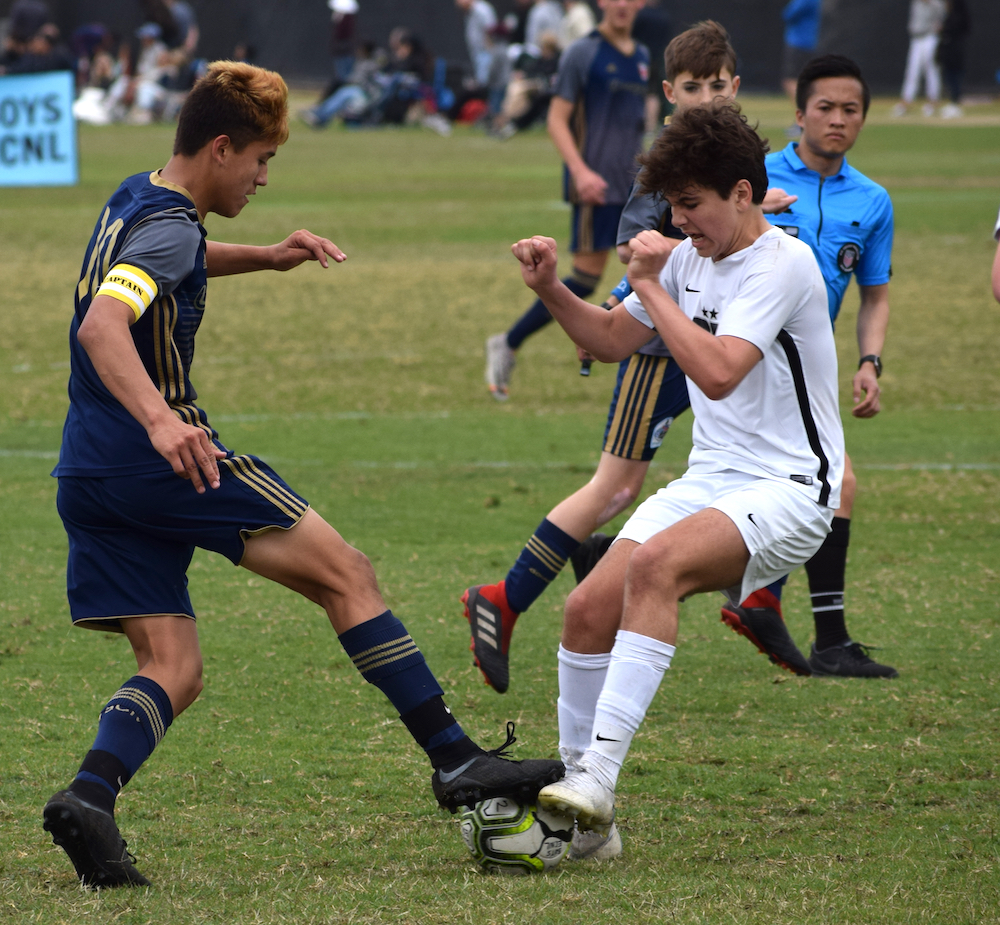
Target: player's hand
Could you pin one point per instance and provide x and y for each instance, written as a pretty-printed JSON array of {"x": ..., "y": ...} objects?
[
  {"x": 650, "y": 251},
  {"x": 538, "y": 259},
  {"x": 188, "y": 450},
  {"x": 866, "y": 383},
  {"x": 591, "y": 187},
  {"x": 583, "y": 356},
  {"x": 303, "y": 245},
  {"x": 776, "y": 200}
]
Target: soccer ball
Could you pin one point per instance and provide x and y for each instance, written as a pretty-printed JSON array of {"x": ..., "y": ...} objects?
[{"x": 504, "y": 835}]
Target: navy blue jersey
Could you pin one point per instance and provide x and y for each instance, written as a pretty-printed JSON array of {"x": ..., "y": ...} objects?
[
  {"x": 608, "y": 90},
  {"x": 148, "y": 251},
  {"x": 846, "y": 219}
]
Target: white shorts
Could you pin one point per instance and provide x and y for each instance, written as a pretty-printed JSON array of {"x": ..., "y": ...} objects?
[{"x": 780, "y": 524}]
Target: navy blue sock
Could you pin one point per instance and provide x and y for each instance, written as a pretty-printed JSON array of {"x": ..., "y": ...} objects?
[
  {"x": 132, "y": 724},
  {"x": 536, "y": 317},
  {"x": 540, "y": 561},
  {"x": 777, "y": 587},
  {"x": 387, "y": 657}
]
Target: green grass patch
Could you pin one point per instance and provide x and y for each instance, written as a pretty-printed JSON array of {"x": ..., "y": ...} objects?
[{"x": 290, "y": 792}]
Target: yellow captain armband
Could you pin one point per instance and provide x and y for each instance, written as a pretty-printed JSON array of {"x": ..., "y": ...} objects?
[{"x": 130, "y": 285}]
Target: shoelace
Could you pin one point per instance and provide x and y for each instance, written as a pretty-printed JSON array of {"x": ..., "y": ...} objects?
[{"x": 502, "y": 752}]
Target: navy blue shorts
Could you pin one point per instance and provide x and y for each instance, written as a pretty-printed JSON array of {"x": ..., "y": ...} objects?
[
  {"x": 650, "y": 392},
  {"x": 595, "y": 228},
  {"x": 131, "y": 537}
]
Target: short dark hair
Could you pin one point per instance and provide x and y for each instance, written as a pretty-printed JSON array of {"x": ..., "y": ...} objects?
[
  {"x": 704, "y": 50},
  {"x": 237, "y": 99},
  {"x": 710, "y": 146},
  {"x": 829, "y": 66}
]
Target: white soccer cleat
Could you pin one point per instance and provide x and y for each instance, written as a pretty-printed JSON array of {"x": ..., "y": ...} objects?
[
  {"x": 581, "y": 795},
  {"x": 500, "y": 360},
  {"x": 588, "y": 845}
]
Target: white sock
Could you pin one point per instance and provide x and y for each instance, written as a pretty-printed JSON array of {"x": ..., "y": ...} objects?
[
  {"x": 581, "y": 677},
  {"x": 637, "y": 666}
]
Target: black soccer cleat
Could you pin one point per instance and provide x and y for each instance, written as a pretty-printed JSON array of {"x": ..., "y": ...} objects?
[
  {"x": 849, "y": 660},
  {"x": 491, "y": 774},
  {"x": 92, "y": 840},
  {"x": 765, "y": 628},
  {"x": 589, "y": 553}
]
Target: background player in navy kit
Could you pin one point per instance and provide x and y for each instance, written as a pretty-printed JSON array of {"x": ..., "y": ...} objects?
[
  {"x": 847, "y": 220},
  {"x": 650, "y": 393},
  {"x": 596, "y": 123},
  {"x": 133, "y": 427}
]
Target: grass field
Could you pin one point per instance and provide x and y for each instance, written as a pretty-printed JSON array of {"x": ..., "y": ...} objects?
[{"x": 290, "y": 792}]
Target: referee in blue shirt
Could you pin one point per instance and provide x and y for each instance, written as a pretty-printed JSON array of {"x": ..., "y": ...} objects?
[{"x": 847, "y": 221}]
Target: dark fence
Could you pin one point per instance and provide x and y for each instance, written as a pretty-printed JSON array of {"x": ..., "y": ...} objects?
[{"x": 292, "y": 36}]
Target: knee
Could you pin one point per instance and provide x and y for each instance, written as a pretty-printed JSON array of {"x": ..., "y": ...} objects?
[
  {"x": 349, "y": 575},
  {"x": 650, "y": 572},
  {"x": 588, "y": 627}
]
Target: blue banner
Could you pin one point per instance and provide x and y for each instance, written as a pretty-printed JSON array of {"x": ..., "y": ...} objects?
[{"x": 37, "y": 130}]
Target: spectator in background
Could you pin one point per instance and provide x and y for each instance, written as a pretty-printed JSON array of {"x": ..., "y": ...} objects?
[
  {"x": 951, "y": 55},
  {"x": 184, "y": 36},
  {"x": 926, "y": 19},
  {"x": 544, "y": 16},
  {"x": 517, "y": 21},
  {"x": 343, "y": 23},
  {"x": 654, "y": 30},
  {"x": 578, "y": 20},
  {"x": 529, "y": 89},
  {"x": 44, "y": 51},
  {"x": 480, "y": 18},
  {"x": 25, "y": 19},
  {"x": 362, "y": 89},
  {"x": 146, "y": 92},
  {"x": 801, "y": 38}
]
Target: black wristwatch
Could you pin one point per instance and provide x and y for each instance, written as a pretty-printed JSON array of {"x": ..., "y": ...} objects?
[{"x": 876, "y": 361}]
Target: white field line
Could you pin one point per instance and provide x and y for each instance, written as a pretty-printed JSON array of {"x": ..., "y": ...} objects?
[{"x": 521, "y": 464}]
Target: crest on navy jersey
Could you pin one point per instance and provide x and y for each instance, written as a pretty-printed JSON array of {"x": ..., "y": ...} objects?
[
  {"x": 643, "y": 71},
  {"x": 848, "y": 257}
]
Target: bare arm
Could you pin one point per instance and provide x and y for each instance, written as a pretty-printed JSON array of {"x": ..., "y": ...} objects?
[
  {"x": 715, "y": 364},
  {"x": 298, "y": 247},
  {"x": 873, "y": 322},
  {"x": 996, "y": 275},
  {"x": 105, "y": 335},
  {"x": 590, "y": 186},
  {"x": 609, "y": 336}
]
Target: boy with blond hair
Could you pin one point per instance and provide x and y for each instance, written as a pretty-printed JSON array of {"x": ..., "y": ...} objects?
[{"x": 144, "y": 478}]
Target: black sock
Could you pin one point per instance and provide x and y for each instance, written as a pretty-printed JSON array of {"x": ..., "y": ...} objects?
[
  {"x": 536, "y": 317},
  {"x": 826, "y": 585},
  {"x": 432, "y": 726},
  {"x": 113, "y": 776}
]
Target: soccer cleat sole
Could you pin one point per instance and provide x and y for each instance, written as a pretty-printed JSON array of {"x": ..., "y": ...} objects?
[
  {"x": 487, "y": 657},
  {"x": 592, "y": 846},
  {"x": 63, "y": 821},
  {"x": 732, "y": 620},
  {"x": 570, "y": 802}
]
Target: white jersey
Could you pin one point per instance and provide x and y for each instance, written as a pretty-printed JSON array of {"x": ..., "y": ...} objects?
[{"x": 782, "y": 421}]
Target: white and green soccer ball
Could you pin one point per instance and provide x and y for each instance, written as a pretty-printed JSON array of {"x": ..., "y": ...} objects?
[{"x": 511, "y": 837}]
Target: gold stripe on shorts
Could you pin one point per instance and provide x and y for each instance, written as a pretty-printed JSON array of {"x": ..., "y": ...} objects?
[
  {"x": 633, "y": 418},
  {"x": 244, "y": 468}
]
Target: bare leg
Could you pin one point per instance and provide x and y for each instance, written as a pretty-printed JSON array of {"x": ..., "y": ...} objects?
[
  {"x": 314, "y": 559},
  {"x": 614, "y": 486}
]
